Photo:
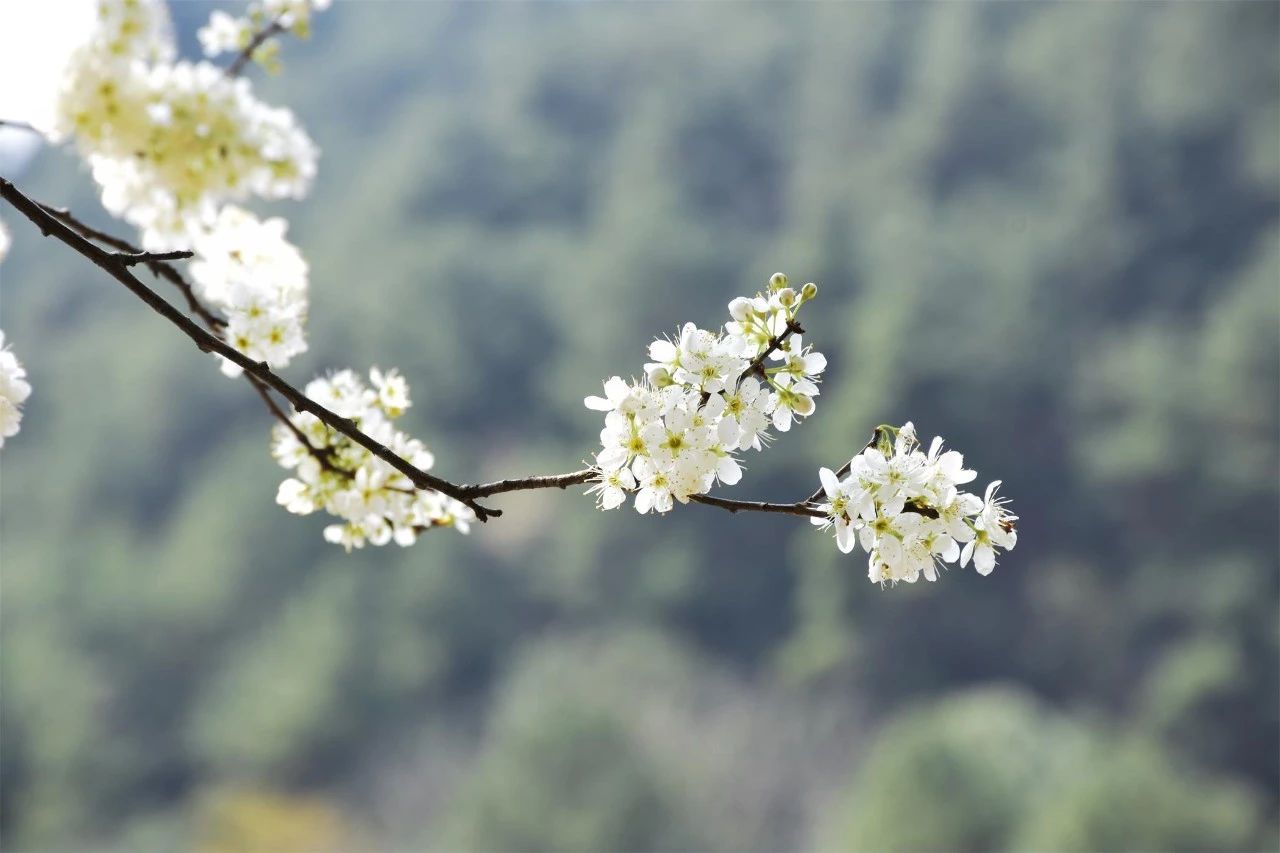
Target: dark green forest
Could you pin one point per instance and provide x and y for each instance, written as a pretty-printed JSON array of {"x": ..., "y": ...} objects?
[{"x": 1048, "y": 232}]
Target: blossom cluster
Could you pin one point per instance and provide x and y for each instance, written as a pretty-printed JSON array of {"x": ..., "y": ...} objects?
[
  {"x": 229, "y": 34},
  {"x": 170, "y": 141},
  {"x": 173, "y": 144},
  {"x": 246, "y": 268},
  {"x": 374, "y": 502},
  {"x": 705, "y": 397},
  {"x": 905, "y": 508},
  {"x": 14, "y": 390}
]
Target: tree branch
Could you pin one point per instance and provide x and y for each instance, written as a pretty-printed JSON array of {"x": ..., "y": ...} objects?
[
  {"x": 158, "y": 268},
  {"x": 519, "y": 484},
  {"x": 51, "y": 225},
  {"x": 733, "y": 506},
  {"x": 62, "y": 224}
]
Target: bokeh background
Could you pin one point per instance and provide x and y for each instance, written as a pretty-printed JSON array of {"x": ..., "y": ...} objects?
[{"x": 1045, "y": 231}]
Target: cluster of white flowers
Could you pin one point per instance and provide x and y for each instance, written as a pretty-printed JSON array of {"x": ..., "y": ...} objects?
[
  {"x": 170, "y": 142},
  {"x": 705, "y": 397},
  {"x": 227, "y": 34},
  {"x": 375, "y": 502},
  {"x": 14, "y": 390},
  {"x": 246, "y": 268},
  {"x": 905, "y": 508}
]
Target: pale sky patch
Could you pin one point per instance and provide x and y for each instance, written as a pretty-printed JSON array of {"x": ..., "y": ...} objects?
[{"x": 36, "y": 38}]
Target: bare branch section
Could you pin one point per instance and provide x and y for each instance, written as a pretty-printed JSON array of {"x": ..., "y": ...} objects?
[
  {"x": 63, "y": 225},
  {"x": 801, "y": 508},
  {"x": 520, "y": 484}
]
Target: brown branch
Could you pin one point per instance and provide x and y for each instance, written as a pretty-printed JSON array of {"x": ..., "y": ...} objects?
[
  {"x": 518, "y": 484},
  {"x": 158, "y": 268},
  {"x": 733, "y": 506},
  {"x": 260, "y": 38},
  {"x": 757, "y": 364},
  {"x": 60, "y": 223},
  {"x": 845, "y": 468},
  {"x": 131, "y": 258},
  {"x": 51, "y": 225}
]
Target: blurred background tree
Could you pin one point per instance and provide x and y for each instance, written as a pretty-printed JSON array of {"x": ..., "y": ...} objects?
[{"x": 1045, "y": 231}]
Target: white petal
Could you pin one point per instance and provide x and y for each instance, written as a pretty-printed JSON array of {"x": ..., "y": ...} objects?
[
  {"x": 844, "y": 537},
  {"x": 663, "y": 351},
  {"x": 830, "y": 484},
  {"x": 984, "y": 559},
  {"x": 728, "y": 471}
]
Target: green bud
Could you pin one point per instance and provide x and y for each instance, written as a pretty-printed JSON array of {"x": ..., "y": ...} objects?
[
  {"x": 809, "y": 291},
  {"x": 777, "y": 281}
]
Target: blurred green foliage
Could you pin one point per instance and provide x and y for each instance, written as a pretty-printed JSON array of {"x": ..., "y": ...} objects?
[
  {"x": 991, "y": 770},
  {"x": 1045, "y": 231}
]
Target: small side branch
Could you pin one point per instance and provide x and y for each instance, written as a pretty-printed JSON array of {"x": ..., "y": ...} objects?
[
  {"x": 244, "y": 57},
  {"x": 757, "y": 364},
  {"x": 161, "y": 269}
]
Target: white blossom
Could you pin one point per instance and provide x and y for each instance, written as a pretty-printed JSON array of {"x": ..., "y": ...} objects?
[
  {"x": 170, "y": 142},
  {"x": 706, "y": 397},
  {"x": 14, "y": 390},
  {"x": 374, "y": 502},
  {"x": 907, "y": 512},
  {"x": 247, "y": 269}
]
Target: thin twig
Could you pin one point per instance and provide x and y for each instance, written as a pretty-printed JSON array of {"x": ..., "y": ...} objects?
[
  {"x": 21, "y": 125},
  {"x": 845, "y": 468},
  {"x": 757, "y": 364},
  {"x": 245, "y": 56},
  {"x": 518, "y": 484},
  {"x": 759, "y": 506}
]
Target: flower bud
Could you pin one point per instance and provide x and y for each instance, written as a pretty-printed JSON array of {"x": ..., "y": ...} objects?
[
  {"x": 777, "y": 281},
  {"x": 786, "y": 297},
  {"x": 808, "y": 292},
  {"x": 740, "y": 309}
]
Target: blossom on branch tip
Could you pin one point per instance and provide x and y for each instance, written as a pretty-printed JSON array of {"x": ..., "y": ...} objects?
[
  {"x": 908, "y": 513},
  {"x": 706, "y": 397}
]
